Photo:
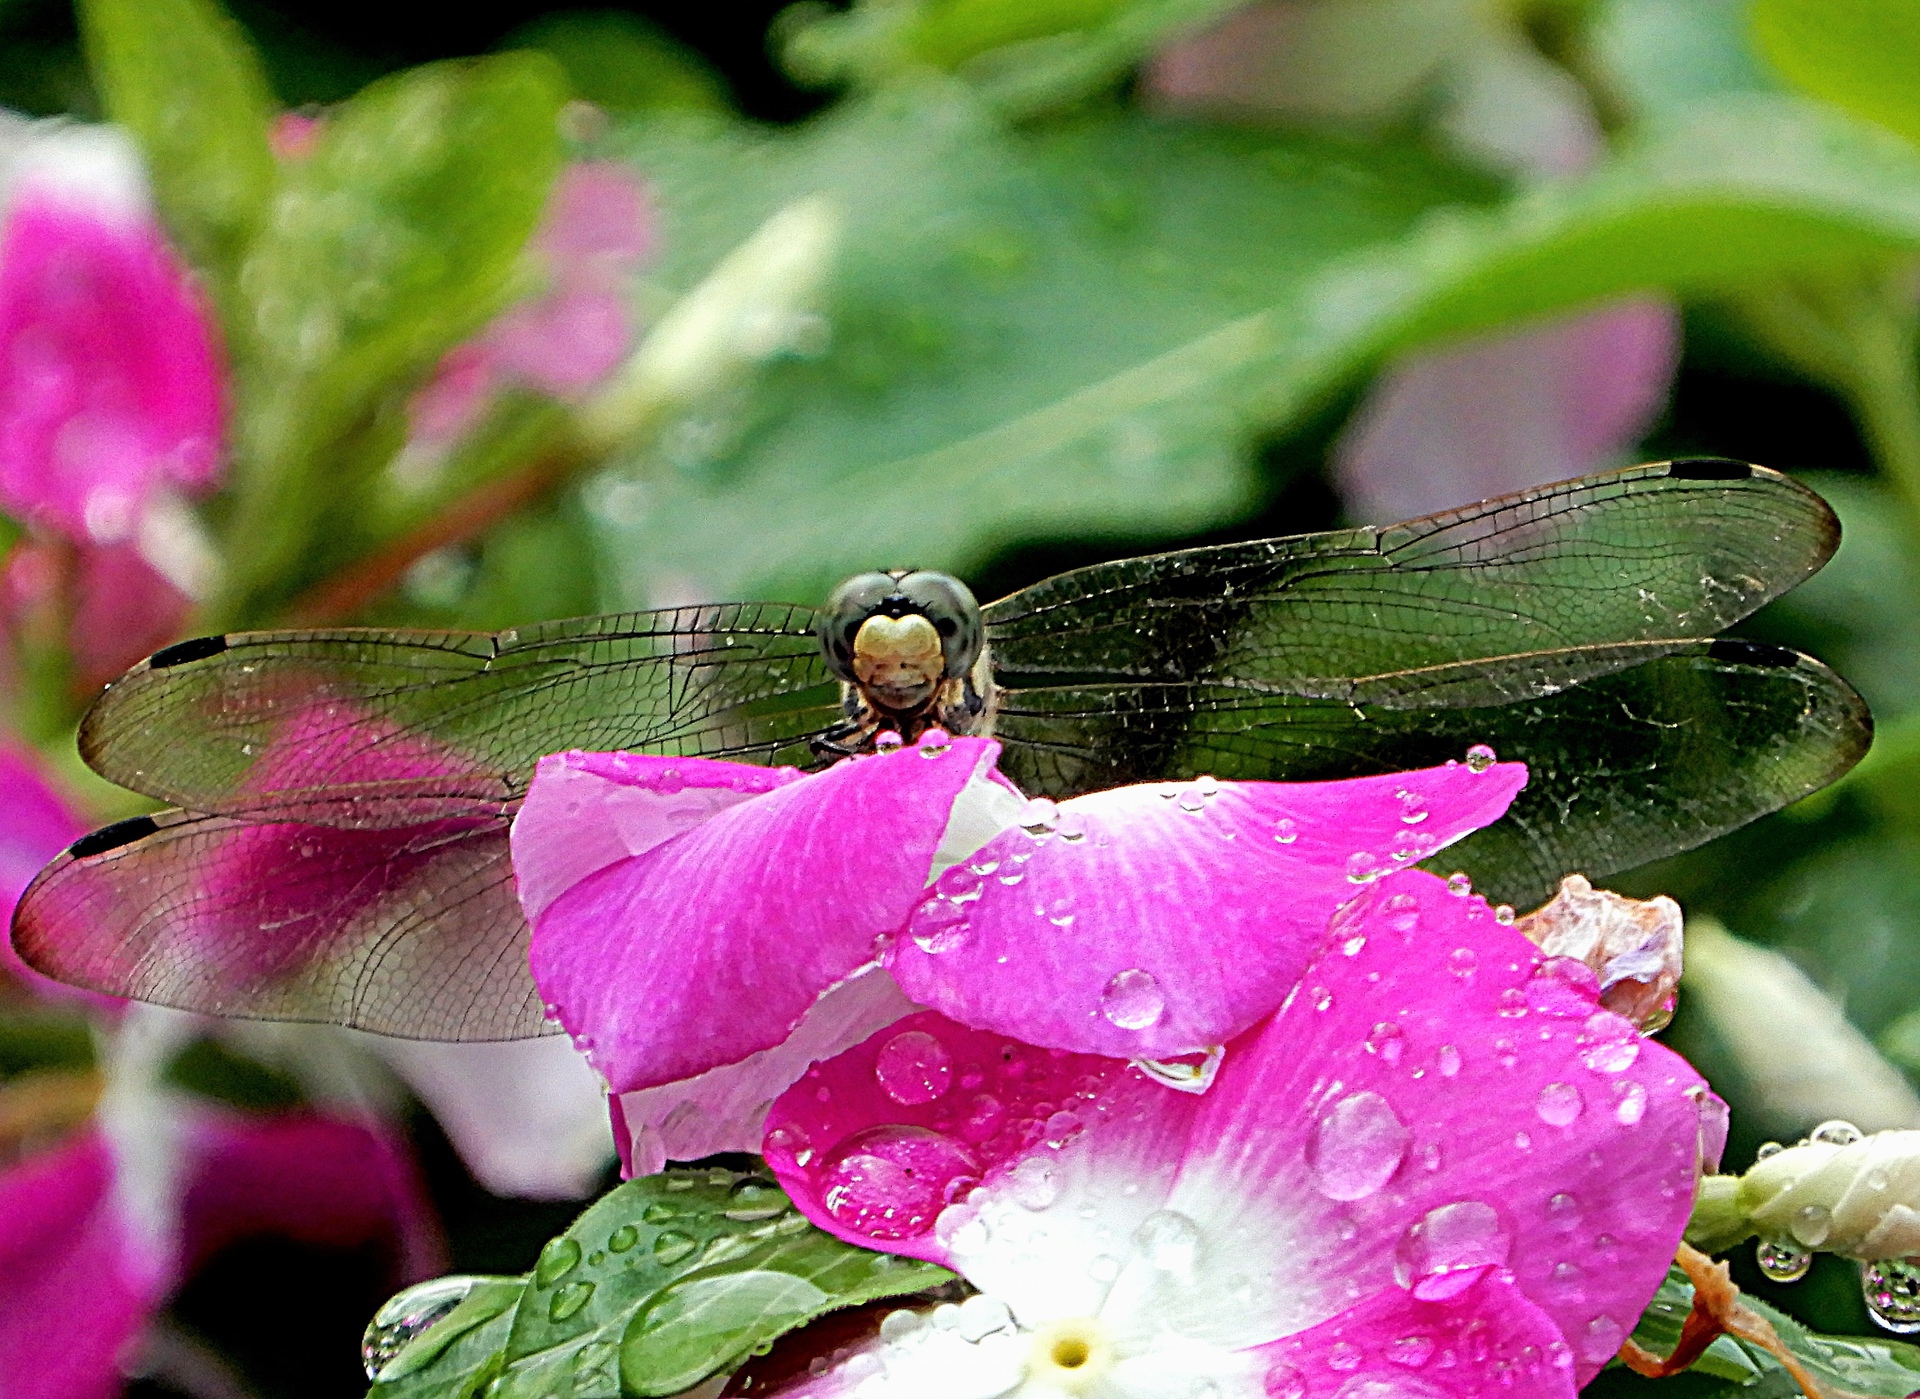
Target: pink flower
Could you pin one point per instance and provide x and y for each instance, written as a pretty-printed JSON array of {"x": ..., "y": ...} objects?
[
  {"x": 569, "y": 337},
  {"x": 705, "y": 928},
  {"x": 1440, "y": 1169},
  {"x": 78, "y": 1279},
  {"x": 36, "y": 824},
  {"x": 109, "y": 375}
]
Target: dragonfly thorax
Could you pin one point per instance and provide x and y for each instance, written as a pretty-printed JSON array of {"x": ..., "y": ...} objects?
[{"x": 910, "y": 650}]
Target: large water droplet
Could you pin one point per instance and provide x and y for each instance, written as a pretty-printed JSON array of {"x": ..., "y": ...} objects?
[
  {"x": 913, "y": 1068},
  {"x": 1170, "y": 1241},
  {"x": 1403, "y": 913},
  {"x": 560, "y": 1257},
  {"x": 1038, "y": 818},
  {"x": 891, "y": 1182},
  {"x": 938, "y": 926},
  {"x": 1032, "y": 1183},
  {"x": 408, "y": 1315},
  {"x": 958, "y": 883},
  {"x": 1459, "y": 884},
  {"x": 1811, "y": 1224},
  {"x": 1480, "y": 757},
  {"x": 980, "y": 1316},
  {"x": 1891, "y": 1287},
  {"x": 1462, "y": 961},
  {"x": 1413, "y": 807},
  {"x": 622, "y": 1239},
  {"x": 1835, "y": 1133},
  {"x": 671, "y": 1246},
  {"x": 1286, "y": 830},
  {"x": 1451, "y": 1248},
  {"x": 1363, "y": 867},
  {"x": 1558, "y": 1104},
  {"x": 569, "y": 1300},
  {"x": 1356, "y": 1147},
  {"x": 1782, "y": 1262},
  {"x": 1133, "y": 1000}
]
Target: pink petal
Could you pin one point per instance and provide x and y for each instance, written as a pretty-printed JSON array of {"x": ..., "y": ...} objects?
[
  {"x": 585, "y": 811},
  {"x": 124, "y": 609},
  {"x": 564, "y": 342},
  {"x": 109, "y": 377},
  {"x": 1438, "y": 1101},
  {"x": 35, "y": 825},
  {"x": 1393, "y": 1346},
  {"x": 938, "y": 1142},
  {"x": 1459, "y": 423},
  {"x": 68, "y": 1307},
  {"x": 457, "y": 396},
  {"x": 598, "y": 219},
  {"x": 725, "y": 1109},
  {"x": 711, "y": 946},
  {"x": 1157, "y": 919},
  {"x": 310, "y": 1178}
]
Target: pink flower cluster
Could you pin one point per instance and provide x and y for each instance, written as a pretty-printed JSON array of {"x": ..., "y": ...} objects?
[{"x": 1211, "y": 1089}]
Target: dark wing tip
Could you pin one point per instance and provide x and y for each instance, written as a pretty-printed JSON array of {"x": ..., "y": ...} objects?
[
  {"x": 196, "y": 648},
  {"x": 1737, "y": 652},
  {"x": 113, "y": 837},
  {"x": 1708, "y": 469}
]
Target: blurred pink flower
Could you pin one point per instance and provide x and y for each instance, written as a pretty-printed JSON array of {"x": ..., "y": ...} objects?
[
  {"x": 598, "y": 226},
  {"x": 35, "y": 825},
  {"x": 1458, "y": 423},
  {"x": 78, "y": 1281}
]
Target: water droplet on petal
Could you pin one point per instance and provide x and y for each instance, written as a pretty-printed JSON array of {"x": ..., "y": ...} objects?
[
  {"x": 1321, "y": 998},
  {"x": 408, "y": 1315},
  {"x": 1451, "y": 1248},
  {"x": 1343, "y": 1355},
  {"x": 1448, "y": 1059},
  {"x": 1503, "y": 915},
  {"x": 1891, "y": 1287},
  {"x": 1387, "y": 1040},
  {"x": 1558, "y": 1104},
  {"x": 981, "y": 1316},
  {"x": 890, "y": 1182},
  {"x": 1411, "y": 1351},
  {"x": 1835, "y": 1133},
  {"x": 1363, "y": 868},
  {"x": 1033, "y": 1184},
  {"x": 1169, "y": 1241},
  {"x": 672, "y": 1246},
  {"x": 1811, "y": 1224},
  {"x": 1459, "y": 885},
  {"x": 938, "y": 926},
  {"x": 1133, "y": 1000},
  {"x": 1768, "y": 1149},
  {"x": 913, "y": 1068},
  {"x": 1462, "y": 961},
  {"x": 1038, "y": 818},
  {"x": 1413, "y": 807},
  {"x": 1513, "y": 1002},
  {"x": 1782, "y": 1262},
  {"x": 1603, "y": 1339},
  {"x": 785, "y": 1144},
  {"x": 1286, "y": 830},
  {"x": 1630, "y": 1103},
  {"x": 934, "y": 743},
  {"x": 1480, "y": 757},
  {"x": 1282, "y": 1381},
  {"x": 1356, "y": 1147},
  {"x": 958, "y": 883},
  {"x": 1563, "y": 987},
  {"x": 1187, "y": 1073},
  {"x": 897, "y": 1326}
]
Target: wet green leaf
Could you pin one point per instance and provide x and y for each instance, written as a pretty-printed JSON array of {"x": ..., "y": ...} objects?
[
  {"x": 1860, "y": 54},
  {"x": 184, "y": 78},
  {"x": 461, "y": 1353}
]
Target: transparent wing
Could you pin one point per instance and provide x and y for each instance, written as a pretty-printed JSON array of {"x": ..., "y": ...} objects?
[
  {"x": 1661, "y": 553},
  {"x": 370, "y": 728},
  {"x": 1629, "y": 766},
  {"x": 412, "y": 931}
]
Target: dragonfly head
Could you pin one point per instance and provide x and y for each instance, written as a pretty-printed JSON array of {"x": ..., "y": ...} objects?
[{"x": 898, "y": 636}]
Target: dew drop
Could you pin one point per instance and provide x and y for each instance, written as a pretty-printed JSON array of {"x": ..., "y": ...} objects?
[
  {"x": 1811, "y": 1224},
  {"x": 1603, "y": 1339},
  {"x": 1403, "y": 913},
  {"x": 957, "y": 883},
  {"x": 752, "y": 1200},
  {"x": 939, "y": 926},
  {"x": 1038, "y": 818},
  {"x": 981, "y": 1316},
  {"x": 1782, "y": 1262},
  {"x": 1513, "y": 1003},
  {"x": 569, "y": 1300},
  {"x": 934, "y": 743},
  {"x": 1629, "y": 1103},
  {"x": 1891, "y": 1287},
  {"x": 1459, "y": 884},
  {"x": 1768, "y": 1149},
  {"x": 1448, "y": 1059},
  {"x": 1451, "y": 1248},
  {"x": 1563, "y": 987},
  {"x": 1356, "y": 1147},
  {"x": 1072, "y": 828},
  {"x": 1462, "y": 961},
  {"x": 1321, "y": 998},
  {"x": 1133, "y": 1000},
  {"x": 1286, "y": 830},
  {"x": 1614, "y": 1046},
  {"x": 1503, "y": 915},
  {"x": 1387, "y": 1040},
  {"x": 659, "y": 1212},
  {"x": 1282, "y": 1381},
  {"x": 1563, "y": 1211},
  {"x": 672, "y": 1246},
  {"x": 1169, "y": 1241},
  {"x": 560, "y": 1257},
  {"x": 1343, "y": 1355},
  {"x": 786, "y": 1144},
  {"x": 408, "y": 1315},
  {"x": 913, "y": 1068},
  {"x": 1413, "y": 807},
  {"x": 1033, "y": 1184},
  {"x": 1480, "y": 757},
  {"x": 1558, "y": 1104},
  {"x": 1835, "y": 1133},
  {"x": 1411, "y": 1351},
  {"x": 1363, "y": 868},
  {"x": 890, "y": 1182},
  {"x": 622, "y": 1239},
  {"x": 897, "y": 1326}
]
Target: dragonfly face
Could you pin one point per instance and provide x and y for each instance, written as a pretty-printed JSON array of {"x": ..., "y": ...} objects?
[{"x": 910, "y": 650}]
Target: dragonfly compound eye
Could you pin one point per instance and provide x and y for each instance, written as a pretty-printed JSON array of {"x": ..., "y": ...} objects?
[
  {"x": 898, "y": 636},
  {"x": 949, "y": 604}
]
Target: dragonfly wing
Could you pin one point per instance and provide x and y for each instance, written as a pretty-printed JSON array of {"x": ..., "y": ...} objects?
[
  {"x": 1673, "y": 551},
  {"x": 371, "y": 728},
  {"x": 411, "y": 931},
  {"x": 1627, "y": 767}
]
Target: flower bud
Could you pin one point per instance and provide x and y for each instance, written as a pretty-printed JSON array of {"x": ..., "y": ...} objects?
[
  {"x": 1632, "y": 945},
  {"x": 1858, "y": 1198}
]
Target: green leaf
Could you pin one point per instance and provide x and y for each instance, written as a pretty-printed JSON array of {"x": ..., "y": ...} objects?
[
  {"x": 672, "y": 1278},
  {"x": 459, "y": 1355},
  {"x": 621, "y": 62},
  {"x": 398, "y": 237},
  {"x": 1863, "y": 55},
  {"x": 183, "y": 77},
  {"x": 1084, "y": 330},
  {"x": 1862, "y": 1364}
]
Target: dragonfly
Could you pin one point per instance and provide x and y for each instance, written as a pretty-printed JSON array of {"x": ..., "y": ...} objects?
[{"x": 335, "y": 847}]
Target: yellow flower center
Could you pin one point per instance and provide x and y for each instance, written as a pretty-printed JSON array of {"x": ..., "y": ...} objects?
[{"x": 1069, "y": 1355}]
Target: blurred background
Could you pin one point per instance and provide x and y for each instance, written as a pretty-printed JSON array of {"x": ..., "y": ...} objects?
[{"x": 303, "y": 322}]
